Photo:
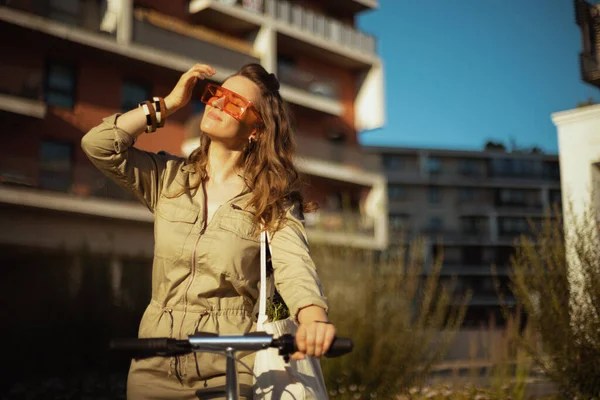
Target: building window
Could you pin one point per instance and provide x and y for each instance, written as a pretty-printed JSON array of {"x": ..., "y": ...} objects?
[
  {"x": 436, "y": 224},
  {"x": 552, "y": 171},
  {"x": 393, "y": 162},
  {"x": 555, "y": 198},
  {"x": 133, "y": 93},
  {"x": 397, "y": 192},
  {"x": 473, "y": 225},
  {"x": 434, "y": 196},
  {"x": 433, "y": 165},
  {"x": 399, "y": 222},
  {"x": 466, "y": 194},
  {"x": 512, "y": 197},
  {"x": 513, "y": 226},
  {"x": 515, "y": 168},
  {"x": 60, "y": 85},
  {"x": 468, "y": 167},
  {"x": 56, "y": 162}
]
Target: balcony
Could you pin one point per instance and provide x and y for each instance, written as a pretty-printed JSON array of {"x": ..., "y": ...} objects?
[
  {"x": 58, "y": 186},
  {"x": 331, "y": 222},
  {"x": 139, "y": 34},
  {"x": 313, "y": 83},
  {"x": 520, "y": 207},
  {"x": 355, "y": 6},
  {"x": 82, "y": 14},
  {"x": 308, "y": 89},
  {"x": 356, "y": 165},
  {"x": 462, "y": 269},
  {"x": 320, "y": 35},
  {"x": 21, "y": 90},
  {"x": 460, "y": 237},
  {"x": 590, "y": 71},
  {"x": 79, "y": 180},
  {"x": 172, "y": 35}
]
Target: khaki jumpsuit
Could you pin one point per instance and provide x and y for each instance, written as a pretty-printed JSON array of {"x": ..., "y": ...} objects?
[{"x": 204, "y": 277}]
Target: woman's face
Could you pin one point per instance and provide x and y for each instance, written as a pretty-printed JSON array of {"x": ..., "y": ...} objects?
[{"x": 222, "y": 127}]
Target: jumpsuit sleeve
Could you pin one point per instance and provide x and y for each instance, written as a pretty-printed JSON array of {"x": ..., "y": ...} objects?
[
  {"x": 295, "y": 273},
  {"x": 111, "y": 150}
]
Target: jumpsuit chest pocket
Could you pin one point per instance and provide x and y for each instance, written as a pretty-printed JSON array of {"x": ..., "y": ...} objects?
[
  {"x": 241, "y": 223},
  {"x": 174, "y": 222}
]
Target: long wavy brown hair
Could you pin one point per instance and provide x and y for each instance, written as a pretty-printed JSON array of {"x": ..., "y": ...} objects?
[{"x": 267, "y": 163}]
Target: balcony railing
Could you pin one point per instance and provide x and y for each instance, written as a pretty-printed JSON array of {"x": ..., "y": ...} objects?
[
  {"x": 590, "y": 70},
  {"x": 351, "y": 223},
  {"x": 320, "y": 26},
  {"x": 85, "y": 181},
  {"x": 447, "y": 236},
  {"x": 342, "y": 155},
  {"x": 78, "y": 180},
  {"x": 171, "y": 34},
  {"x": 520, "y": 206},
  {"x": 89, "y": 15},
  {"x": 303, "y": 79}
]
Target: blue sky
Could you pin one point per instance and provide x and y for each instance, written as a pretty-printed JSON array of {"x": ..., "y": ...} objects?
[{"x": 460, "y": 72}]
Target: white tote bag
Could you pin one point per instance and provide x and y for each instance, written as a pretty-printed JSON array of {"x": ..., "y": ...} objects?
[{"x": 296, "y": 380}]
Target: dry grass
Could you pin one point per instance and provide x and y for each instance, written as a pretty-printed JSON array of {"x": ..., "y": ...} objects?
[
  {"x": 563, "y": 306},
  {"x": 399, "y": 315}
]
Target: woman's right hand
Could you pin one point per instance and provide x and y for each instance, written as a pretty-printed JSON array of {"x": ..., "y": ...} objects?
[{"x": 182, "y": 92}]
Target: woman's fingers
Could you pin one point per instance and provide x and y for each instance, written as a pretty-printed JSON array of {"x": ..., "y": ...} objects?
[
  {"x": 202, "y": 70},
  {"x": 314, "y": 339},
  {"x": 330, "y": 333},
  {"x": 320, "y": 330},
  {"x": 311, "y": 336}
]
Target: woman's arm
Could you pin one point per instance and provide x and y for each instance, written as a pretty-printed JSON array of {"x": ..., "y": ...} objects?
[
  {"x": 110, "y": 145},
  {"x": 297, "y": 281}
]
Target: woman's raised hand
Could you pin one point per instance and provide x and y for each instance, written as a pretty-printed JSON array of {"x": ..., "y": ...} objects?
[{"x": 182, "y": 92}]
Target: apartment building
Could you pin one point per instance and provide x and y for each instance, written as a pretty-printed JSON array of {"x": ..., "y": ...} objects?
[
  {"x": 77, "y": 248},
  {"x": 472, "y": 205},
  {"x": 72, "y": 62}
]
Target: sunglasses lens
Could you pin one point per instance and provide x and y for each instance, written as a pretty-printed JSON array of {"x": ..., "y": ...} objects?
[
  {"x": 233, "y": 104},
  {"x": 233, "y": 109}
]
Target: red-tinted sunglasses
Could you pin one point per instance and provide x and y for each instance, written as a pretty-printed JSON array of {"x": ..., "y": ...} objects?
[{"x": 233, "y": 104}]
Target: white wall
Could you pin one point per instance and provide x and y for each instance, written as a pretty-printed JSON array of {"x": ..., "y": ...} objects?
[{"x": 579, "y": 149}]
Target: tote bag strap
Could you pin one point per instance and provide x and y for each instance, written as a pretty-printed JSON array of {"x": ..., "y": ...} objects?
[{"x": 262, "y": 300}]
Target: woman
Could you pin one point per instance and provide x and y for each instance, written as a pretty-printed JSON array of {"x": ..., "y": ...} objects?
[{"x": 209, "y": 210}]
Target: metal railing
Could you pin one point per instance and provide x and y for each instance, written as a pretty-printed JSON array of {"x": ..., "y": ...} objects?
[{"x": 318, "y": 25}]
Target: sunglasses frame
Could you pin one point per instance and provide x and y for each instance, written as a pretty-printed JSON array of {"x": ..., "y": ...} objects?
[{"x": 227, "y": 95}]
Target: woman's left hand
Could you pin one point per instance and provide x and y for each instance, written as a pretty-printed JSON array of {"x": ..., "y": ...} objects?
[{"x": 313, "y": 339}]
